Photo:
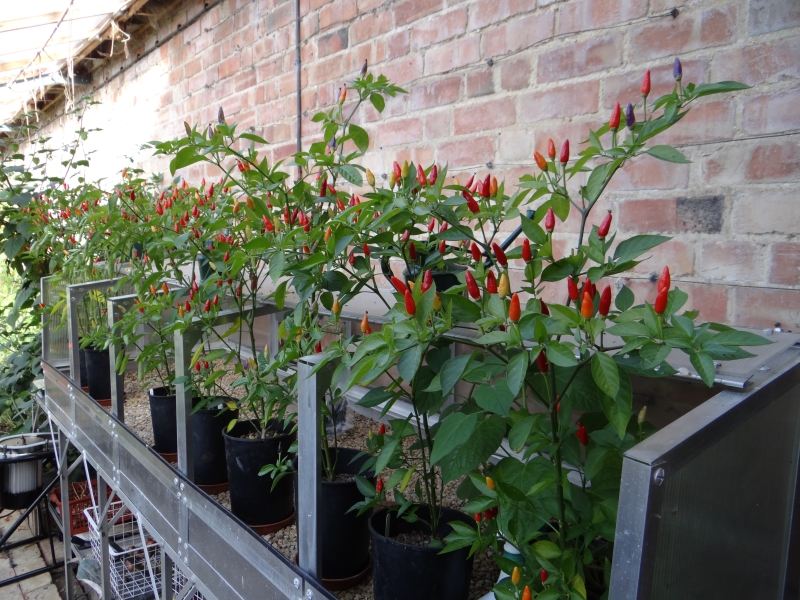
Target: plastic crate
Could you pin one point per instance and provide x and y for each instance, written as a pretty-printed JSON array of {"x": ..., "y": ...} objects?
[
  {"x": 134, "y": 562},
  {"x": 79, "y": 501}
]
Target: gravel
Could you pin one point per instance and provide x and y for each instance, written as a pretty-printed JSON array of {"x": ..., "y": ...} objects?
[{"x": 137, "y": 418}]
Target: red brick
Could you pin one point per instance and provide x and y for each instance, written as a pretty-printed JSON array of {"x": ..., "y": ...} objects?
[
  {"x": 626, "y": 87},
  {"x": 647, "y": 216},
  {"x": 586, "y": 15},
  {"x": 229, "y": 66},
  {"x": 515, "y": 74},
  {"x": 466, "y": 152},
  {"x": 773, "y": 112},
  {"x": 710, "y": 121},
  {"x": 480, "y": 83},
  {"x": 762, "y": 161},
  {"x": 517, "y": 34},
  {"x": 492, "y": 114},
  {"x": 785, "y": 263},
  {"x": 245, "y": 79},
  {"x": 435, "y": 92},
  {"x": 437, "y": 124},
  {"x": 563, "y": 101},
  {"x": 580, "y": 58},
  {"x": 767, "y": 16},
  {"x": 400, "y": 72},
  {"x": 397, "y": 44},
  {"x": 410, "y": 10},
  {"x": 762, "y": 307},
  {"x": 730, "y": 261},
  {"x": 773, "y": 61},
  {"x": 223, "y": 30},
  {"x": 648, "y": 173},
  {"x": 759, "y": 212},
  {"x": 325, "y": 70},
  {"x": 452, "y": 55},
  {"x": 278, "y": 17},
  {"x": 365, "y": 6},
  {"x": 691, "y": 30},
  {"x": 514, "y": 145},
  {"x": 400, "y": 132},
  {"x": 438, "y": 28},
  {"x": 482, "y": 14},
  {"x": 370, "y": 26},
  {"x": 332, "y": 42},
  {"x": 335, "y": 12}
]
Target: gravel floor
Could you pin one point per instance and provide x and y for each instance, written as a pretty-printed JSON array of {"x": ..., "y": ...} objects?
[{"x": 137, "y": 418}]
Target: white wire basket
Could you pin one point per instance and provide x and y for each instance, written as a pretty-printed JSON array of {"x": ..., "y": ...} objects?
[
  {"x": 134, "y": 557},
  {"x": 179, "y": 582}
]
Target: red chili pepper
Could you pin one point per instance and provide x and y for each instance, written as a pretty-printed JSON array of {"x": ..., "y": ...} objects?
[
  {"x": 572, "y": 289},
  {"x": 352, "y": 258},
  {"x": 187, "y": 306},
  {"x": 443, "y": 247},
  {"x": 227, "y": 257},
  {"x": 605, "y": 301},
  {"x": 664, "y": 282},
  {"x": 472, "y": 286},
  {"x": 543, "y": 575},
  {"x": 339, "y": 204},
  {"x": 540, "y": 161},
  {"x": 661, "y": 301},
  {"x": 550, "y": 220},
  {"x": 551, "y": 149},
  {"x": 478, "y": 517},
  {"x": 582, "y": 435},
  {"x": 541, "y": 362},
  {"x": 476, "y": 252},
  {"x": 434, "y": 175},
  {"x": 197, "y": 366},
  {"x": 471, "y": 203},
  {"x": 545, "y": 310},
  {"x": 399, "y": 285},
  {"x": 499, "y": 254},
  {"x": 487, "y": 514},
  {"x": 412, "y": 251},
  {"x": 564, "y": 156},
  {"x": 527, "y": 255},
  {"x": 602, "y": 231},
  {"x": 215, "y": 302},
  {"x": 646, "y": 83},
  {"x": 411, "y": 307},
  {"x": 406, "y": 235},
  {"x": 366, "y": 249},
  {"x": 587, "y": 306},
  {"x": 514, "y": 309},
  {"x": 379, "y": 485},
  {"x": 613, "y": 122},
  {"x": 318, "y": 347},
  {"x": 469, "y": 181},
  {"x": 397, "y": 170},
  {"x": 382, "y": 429},
  {"x": 427, "y": 280},
  {"x": 421, "y": 179},
  {"x": 208, "y": 305},
  {"x": 431, "y": 225},
  {"x": 491, "y": 283},
  {"x": 443, "y": 227}
]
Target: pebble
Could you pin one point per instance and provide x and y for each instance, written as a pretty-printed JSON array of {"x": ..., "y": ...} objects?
[{"x": 356, "y": 429}]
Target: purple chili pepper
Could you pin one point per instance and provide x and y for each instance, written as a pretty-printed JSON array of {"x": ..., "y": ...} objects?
[
  {"x": 677, "y": 69},
  {"x": 630, "y": 119}
]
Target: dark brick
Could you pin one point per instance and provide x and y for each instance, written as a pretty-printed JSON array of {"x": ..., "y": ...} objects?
[
  {"x": 771, "y": 15},
  {"x": 332, "y": 42},
  {"x": 701, "y": 215}
]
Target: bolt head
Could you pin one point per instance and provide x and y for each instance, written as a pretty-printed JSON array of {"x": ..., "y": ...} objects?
[
  {"x": 175, "y": 481},
  {"x": 296, "y": 583},
  {"x": 309, "y": 594},
  {"x": 659, "y": 476}
]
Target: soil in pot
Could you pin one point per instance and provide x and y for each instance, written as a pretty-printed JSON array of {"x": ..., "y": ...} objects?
[
  {"x": 162, "y": 414},
  {"x": 344, "y": 536},
  {"x": 253, "y": 499},
  {"x": 406, "y": 570},
  {"x": 98, "y": 373},
  {"x": 444, "y": 280},
  {"x": 208, "y": 445}
]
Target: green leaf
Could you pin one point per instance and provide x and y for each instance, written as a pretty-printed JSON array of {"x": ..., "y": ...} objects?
[
  {"x": 561, "y": 355},
  {"x": 452, "y": 371},
  {"x": 629, "y": 329},
  {"x": 351, "y": 174},
  {"x": 617, "y": 408},
  {"x": 409, "y": 360},
  {"x": 624, "y": 299},
  {"x": 453, "y": 432},
  {"x": 739, "y": 338},
  {"x": 515, "y": 374},
  {"x": 374, "y": 397},
  {"x": 520, "y": 432},
  {"x": 479, "y": 447},
  {"x": 254, "y": 138},
  {"x": 360, "y": 137},
  {"x": 719, "y": 87},
  {"x": 494, "y": 337},
  {"x": 704, "y": 365},
  {"x": 533, "y": 231},
  {"x": 547, "y": 549},
  {"x": 667, "y": 153},
  {"x": 184, "y": 158},
  {"x": 495, "y": 397},
  {"x": 638, "y": 245},
  {"x": 605, "y": 373},
  {"x": 557, "y": 271},
  {"x": 377, "y": 101}
]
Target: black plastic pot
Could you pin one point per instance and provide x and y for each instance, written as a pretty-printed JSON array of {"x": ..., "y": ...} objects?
[
  {"x": 252, "y": 498},
  {"x": 98, "y": 373},
  {"x": 84, "y": 372},
  {"x": 401, "y": 571},
  {"x": 165, "y": 426},
  {"x": 344, "y": 536},
  {"x": 208, "y": 446},
  {"x": 443, "y": 280}
]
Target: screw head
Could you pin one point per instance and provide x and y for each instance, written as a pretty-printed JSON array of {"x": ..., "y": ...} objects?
[
  {"x": 175, "y": 481},
  {"x": 659, "y": 476},
  {"x": 309, "y": 594},
  {"x": 297, "y": 583},
  {"x": 182, "y": 486}
]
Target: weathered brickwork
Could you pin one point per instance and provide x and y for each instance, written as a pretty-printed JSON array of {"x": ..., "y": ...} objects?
[{"x": 488, "y": 82}]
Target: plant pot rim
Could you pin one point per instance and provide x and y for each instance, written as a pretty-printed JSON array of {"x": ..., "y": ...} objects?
[
  {"x": 368, "y": 475},
  {"x": 209, "y": 408},
  {"x": 155, "y": 392},
  {"x": 382, "y": 513},
  {"x": 275, "y": 438}
]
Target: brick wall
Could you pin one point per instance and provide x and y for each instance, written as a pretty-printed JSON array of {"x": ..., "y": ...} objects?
[{"x": 488, "y": 82}]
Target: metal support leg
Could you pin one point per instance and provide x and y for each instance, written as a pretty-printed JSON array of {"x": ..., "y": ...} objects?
[
  {"x": 72, "y": 324},
  {"x": 102, "y": 520},
  {"x": 311, "y": 393},
  {"x": 117, "y": 391},
  {"x": 166, "y": 574},
  {"x": 66, "y": 528}
]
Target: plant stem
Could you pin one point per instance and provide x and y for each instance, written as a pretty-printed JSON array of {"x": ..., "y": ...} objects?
[{"x": 562, "y": 525}]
